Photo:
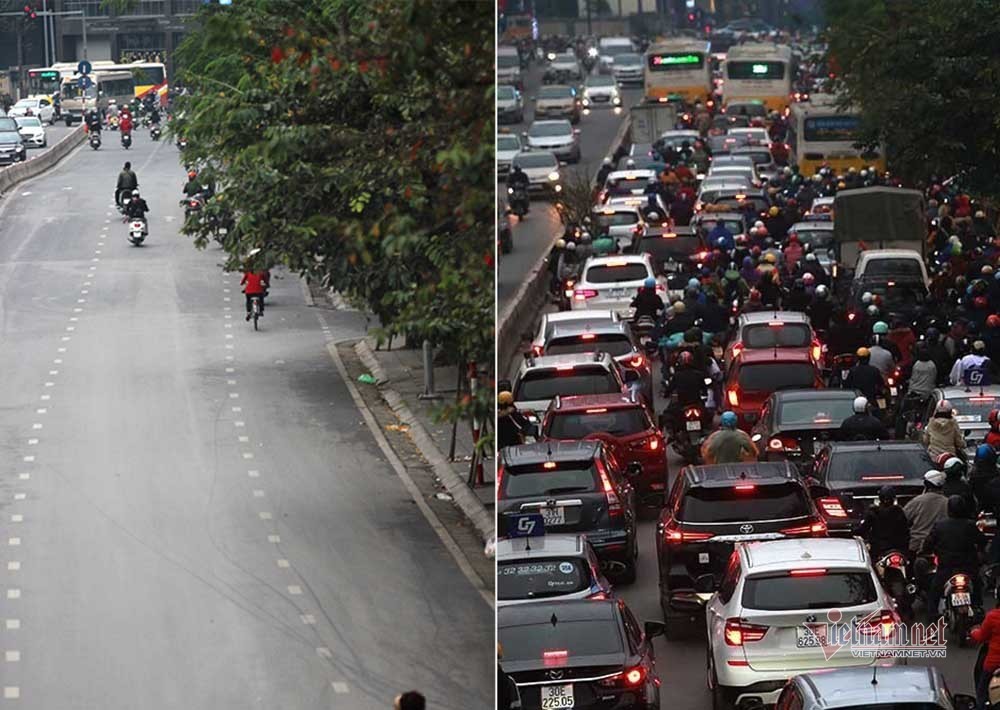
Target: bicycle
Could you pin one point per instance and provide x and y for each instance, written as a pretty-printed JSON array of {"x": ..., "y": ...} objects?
[{"x": 256, "y": 308}]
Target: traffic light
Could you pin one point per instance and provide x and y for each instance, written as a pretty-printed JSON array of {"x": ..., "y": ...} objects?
[{"x": 29, "y": 13}]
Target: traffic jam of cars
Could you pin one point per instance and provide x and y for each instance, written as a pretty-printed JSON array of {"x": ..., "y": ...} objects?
[{"x": 747, "y": 424}]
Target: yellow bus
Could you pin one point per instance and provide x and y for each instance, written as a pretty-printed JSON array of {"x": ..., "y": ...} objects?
[
  {"x": 759, "y": 72},
  {"x": 679, "y": 66},
  {"x": 822, "y": 134},
  {"x": 149, "y": 77}
]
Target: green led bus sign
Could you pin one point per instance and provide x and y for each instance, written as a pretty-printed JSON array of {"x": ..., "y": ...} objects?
[
  {"x": 660, "y": 60},
  {"x": 45, "y": 74},
  {"x": 759, "y": 69}
]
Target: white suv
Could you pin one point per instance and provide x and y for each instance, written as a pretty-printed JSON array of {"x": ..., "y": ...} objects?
[
  {"x": 773, "y": 615},
  {"x": 611, "y": 282}
]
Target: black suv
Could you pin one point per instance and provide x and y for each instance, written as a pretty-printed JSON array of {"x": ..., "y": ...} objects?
[
  {"x": 577, "y": 486},
  {"x": 580, "y": 654},
  {"x": 709, "y": 509},
  {"x": 853, "y": 471}
]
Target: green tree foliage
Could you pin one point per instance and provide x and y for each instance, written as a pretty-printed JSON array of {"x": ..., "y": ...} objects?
[
  {"x": 354, "y": 142},
  {"x": 927, "y": 79}
]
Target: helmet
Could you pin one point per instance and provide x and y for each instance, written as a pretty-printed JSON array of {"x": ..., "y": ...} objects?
[
  {"x": 986, "y": 453},
  {"x": 943, "y": 407},
  {"x": 729, "y": 420},
  {"x": 993, "y": 321},
  {"x": 956, "y": 506},
  {"x": 192, "y": 174},
  {"x": 872, "y": 311},
  {"x": 866, "y": 297},
  {"x": 860, "y": 405},
  {"x": 653, "y": 216},
  {"x": 987, "y": 270},
  {"x": 650, "y": 282},
  {"x": 770, "y": 258},
  {"x": 607, "y": 161},
  {"x": 980, "y": 302},
  {"x": 934, "y": 478},
  {"x": 560, "y": 243},
  {"x": 887, "y": 495},
  {"x": 774, "y": 211},
  {"x": 629, "y": 163},
  {"x": 135, "y": 193},
  {"x": 880, "y": 328},
  {"x": 822, "y": 291},
  {"x": 810, "y": 257},
  {"x": 685, "y": 358},
  {"x": 758, "y": 224},
  {"x": 807, "y": 278},
  {"x": 570, "y": 246},
  {"x": 841, "y": 185},
  {"x": 694, "y": 283},
  {"x": 863, "y": 353},
  {"x": 505, "y": 399},
  {"x": 953, "y": 466},
  {"x": 679, "y": 307},
  {"x": 979, "y": 346},
  {"x": 652, "y": 180}
]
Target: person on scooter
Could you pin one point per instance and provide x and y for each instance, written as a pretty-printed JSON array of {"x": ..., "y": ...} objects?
[
  {"x": 957, "y": 543},
  {"x": 686, "y": 388},
  {"x": 984, "y": 471},
  {"x": 127, "y": 181},
  {"x": 955, "y": 484},
  {"x": 942, "y": 434},
  {"x": 974, "y": 369},
  {"x": 512, "y": 427},
  {"x": 647, "y": 302},
  {"x": 993, "y": 435},
  {"x": 728, "y": 444},
  {"x": 989, "y": 634},
  {"x": 137, "y": 207},
  {"x": 884, "y": 526},
  {"x": 862, "y": 425},
  {"x": 865, "y": 377},
  {"x": 882, "y": 352},
  {"x": 926, "y": 509}
]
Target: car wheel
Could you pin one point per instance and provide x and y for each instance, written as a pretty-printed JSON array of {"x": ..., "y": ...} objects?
[
  {"x": 720, "y": 695},
  {"x": 45, "y": 143},
  {"x": 630, "y": 573}
]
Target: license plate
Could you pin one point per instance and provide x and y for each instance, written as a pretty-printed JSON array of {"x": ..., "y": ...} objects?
[
  {"x": 223, "y": 230},
  {"x": 961, "y": 599},
  {"x": 893, "y": 391},
  {"x": 806, "y": 637},
  {"x": 703, "y": 558},
  {"x": 694, "y": 426},
  {"x": 617, "y": 293},
  {"x": 554, "y": 516},
  {"x": 557, "y": 697},
  {"x": 881, "y": 403}
]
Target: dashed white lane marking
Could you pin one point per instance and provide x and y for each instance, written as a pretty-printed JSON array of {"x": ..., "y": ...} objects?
[
  {"x": 324, "y": 652},
  {"x": 228, "y": 316},
  {"x": 308, "y": 619},
  {"x": 239, "y": 424},
  {"x": 12, "y": 656},
  {"x": 244, "y": 439},
  {"x": 26, "y": 194},
  {"x": 264, "y": 515},
  {"x": 14, "y": 541},
  {"x": 230, "y": 369},
  {"x": 50, "y": 384},
  {"x": 234, "y": 395},
  {"x": 230, "y": 382},
  {"x": 226, "y": 298},
  {"x": 11, "y": 692},
  {"x": 229, "y": 336},
  {"x": 13, "y": 624},
  {"x": 28, "y": 459},
  {"x": 258, "y": 493},
  {"x": 70, "y": 328},
  {"x": 253, "y": 473},
  {"x": 225, "y": 290},
  {"x": 61, "y": 350},
  {"x": 78, "y": 310},
  {"x": 81, "y": 300},
  {"x": 227, "y": 308},
  {"x": 295, "y": 590},
  {"x": 45, "y": 397},
  {"x": 17, "y": 518},
  {"x": 20, "y": 496},
  {"x": 13, "y": 566},
  {"x": 53, "y": 372},
  {"x": 229, "y": 325},
  {"x": 13, "y": 593},
  {"x": 36, "y": 426},
  {"x": 95, "y": 259},
  {"x": 276, "y": 539},
  {"x": 279, "y": 362},
  {"x": 247, "y": 455},
  {"x": 339, "y": 687},
  {"x": 65, "y": 338},
  {"x": 57, "y": 361},
  {"x": 283, "y": 564},
  {"x": 97, "y": 251},
  {"x": 32, "y": 442},
  {"x": 230, "y": 347},
  {"x": 24, "y": 476}
]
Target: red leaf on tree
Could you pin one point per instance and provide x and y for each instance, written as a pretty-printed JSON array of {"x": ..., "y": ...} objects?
[
  {"x": 277, "y": 55},
  {"x": 488, "y": 259},
  {"x": 363, "y": 66},
  {"x": 335, "y": 64},
  {"x": 407, "y": 193}
]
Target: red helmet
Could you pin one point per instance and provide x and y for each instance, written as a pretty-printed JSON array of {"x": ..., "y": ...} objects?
[
  {"x": 754, "y": 294},
  {"x": 940, "y": 460},
  {"x": 685, "y": 358},
  {"x": 993, "y": 321},
  {"x": 994, "y": 416},
  {"x": 980, "y": 302}
]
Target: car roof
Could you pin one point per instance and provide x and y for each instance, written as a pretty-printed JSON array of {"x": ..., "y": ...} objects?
[
  {"x": 812, "y": 226},
  {"x": 553, "y": 361},
  {"x": 568, "y": 330},
  {"x": 661, "y": 229},
  {"x": 613, "y": 208},
  {"x": 552, "y": 122},
  {"x": 844, "y": 447},
  {"x": 759, "y": 317},
  {"x": 587, "y": 401},
  {"x": 633, "y": 174},
  {"x": 792, "y": 553},
  {"x": 725, "y": 183},
  {"x": 724, "y": 475},
  {"x": 555, "y": 450},
  {"x": 569, "y": 316},
  {"x": 566, "y": 610},
  {"x": 757, "y": 356},
  {"x": 853, "y": 687},
  {"x": 543, "y": 87},
  {"x": 725, "y": 216},
  {"x": 963, "y": 393},
  {"x": 563, "y": 544},
  {"x": 548, "y": 153},
  {"x": 805, "y": 394},
  {"x": 615, "y": 260}
]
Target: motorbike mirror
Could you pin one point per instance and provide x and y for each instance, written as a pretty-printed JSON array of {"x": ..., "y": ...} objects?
[
  {"x": 704, "y": 583},
  {"x": 708, "y": 380},
  {"x": 962, "y": 701},
  {"x": 654, "y": 629}
]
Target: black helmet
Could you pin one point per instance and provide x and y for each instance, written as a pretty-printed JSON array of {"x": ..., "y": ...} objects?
[
  {"x": 887, "y": 495},
  {"x": 956, "y": 506}
]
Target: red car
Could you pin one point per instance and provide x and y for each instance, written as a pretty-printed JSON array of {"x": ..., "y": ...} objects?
[
  {"x": 620, "y": 420},
  {"x": 755, "y": 374}
]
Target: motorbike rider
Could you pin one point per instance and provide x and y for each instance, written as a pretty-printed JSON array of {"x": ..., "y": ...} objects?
[
  {"x": 972, "y": 369},
  {"x": 958, "y": 544},
  {"x": 125, "y": 124},
  {"x": 955, "y": 484},
  {"x": 993, "y": 435},
  {"x": 988, "y": 633},
  {"x": 518, "y": 178},
  {"x": 862, "y": 425},
  {"x": 923, "y": 374},
  {"x": 884, "y": 526},
  {"x": 865, "y": 377},
  {"x": 512, "y": 427},
  {"x": 93, "y": 121},
  {"x": 728, "y": 444},
  {"x": 127, "y": 181},
  {"x": 820, "y": 309},
  {"x": 685, "y": 388},
  {"x": 193, "y": 186},
  {"x": 607, "y": 167},
  {"x": 984, "y": 471},
  {"x": 926, "y": 509},
  {"x": 647, "y": 302},
  {"x": 720, "y": 231},
  {"x": 881, "y": 350},
  {"x": 942, "y": 434},
  {"x": 137, "y": 207}
]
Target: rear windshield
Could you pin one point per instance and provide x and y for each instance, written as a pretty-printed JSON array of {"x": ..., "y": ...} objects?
[
  {"x": 901, "y": 268},
  {"x": 536, "y": 579},
  {"x": 872, "y": 467},
  {"x": 816, "y": 238},
  {"x": 617, "y": 219},
  {"x": 617, "y": 422},
  {"x": 546, "y": 384},
  {"x": 822, "y": 591},
  {"x": 787, "y": 335},
  {"x": 662, "y": 248},
  {"x": 727, "y": 505},
  {"x": 733, "y": 226},
  {"x": 817, "y": 411},
  {"x": 532, "y": 482},
  {"x": 573, "y": 638},
  {"x": 627, "y": 185},
  {"x": 601, "y": 274},
  {"x": 614, "y": 344},
  {"x": 760, "y": 157},
  {"x": 771, "y": 377},
  {"x": 555, "y": 92},
  {"x": 974, "y": 410}
]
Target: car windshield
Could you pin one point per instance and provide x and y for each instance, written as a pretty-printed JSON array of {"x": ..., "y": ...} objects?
[
  {"x": 734, "y": 226},
  {"x": 536, "y": 160},
  {"x": 617, "y": 219},
  {"x": 827, "y": 590},
  {"x": 534, "y": 481},
  {"x": 872, "y": 466},
  {"x": 600, "y": 80},
  {"x": 729, "y": 505},
  {"x": 567, "y": 58},
  {"x": 897, "y": 295},
  {"x": 821, "y": 410},
  {"x": 627, "y": 184},
  {"x": 760, "y": 157},
  {"x": 616, "y": 421},
  {"x": 9, "y": 136},
  {"x": 598, "y": 637},
  {"x": 774, "y": 376},
  {"x": 609, "y": 273},
  {"x": 616, "y": 50},
  {"x": 508, "y": 143},
  {"x": 506, "y": 93},
  {"x": 902, "y": 269},
  {"x": 555, "y": 92},
  {"x": 546, "y": 384},
  {"x": 537, "y": 579},
  {"x": 547, "y": 129},
  {"x": 29, "y": 103},
  {"x": 782, "y": 335},
  {"x": 613, "y": 344},
  {"x": 662, "y": 248},
  {"x": 818, "y": 239},
  {"x": 8, "y": 124},
  {"x": 28, "y": 121},
  {"x": 628, "y": 59}
]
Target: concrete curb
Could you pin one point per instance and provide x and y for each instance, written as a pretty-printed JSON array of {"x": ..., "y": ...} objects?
[
  {"x": 20, "y": 172},
  {"x": 467, "y": 502}
]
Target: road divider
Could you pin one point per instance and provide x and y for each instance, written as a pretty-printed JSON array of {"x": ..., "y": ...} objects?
[
  {"x": 20, "y": 172},
  {"x": 520, "y": 318}
]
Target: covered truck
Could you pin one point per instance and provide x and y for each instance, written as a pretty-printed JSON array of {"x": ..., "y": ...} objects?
[{"x": 652, "y": 120}]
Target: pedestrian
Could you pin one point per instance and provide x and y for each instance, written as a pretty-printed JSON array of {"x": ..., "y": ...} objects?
[{"x": 410, "y": 700}]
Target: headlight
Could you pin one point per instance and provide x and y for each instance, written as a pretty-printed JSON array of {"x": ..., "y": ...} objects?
[
  {"x": 558, "y": 188},
  {"x": 616, "y": 100},
  {"x": 553, "y": 176},
  {"x": 592, "y": 52},
  {"x": 586, "y": 102},
  {"x": 551, "y": 56}
]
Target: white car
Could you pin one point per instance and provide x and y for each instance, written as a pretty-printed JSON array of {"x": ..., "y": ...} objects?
[
  {"x": 553, "y": 567},
  {"x": 542, "y": 169},
  {"x": 623, "y": 222},
  {"x": 32, "y": 131},
  {"x": 777, "y": 607},
  {"x": 601, "y": 90},
  {"x": 551, "y": 320},
  {"x": 611, "y": 282},
  {"x": 629, "y": 68},
  {"x": 557, "y": 136},
  {"x": 34, "y": 106},
  {"x": 508, "y": 145}
]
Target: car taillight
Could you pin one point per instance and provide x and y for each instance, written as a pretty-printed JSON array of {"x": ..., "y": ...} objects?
[
  {"x": 615, "y": 507},
  {"x": 737, "y": 349},
  {"x": 651, "y": 443},
  {"x": 817, "y": 350},
  {"x": 637, "y": 361},
  {"x": 896, "y": 560},
  {"x": 500, "y": 473},
  {"x": 537, "y": 350},
  {"x": 637, "y": 230},
  {"x": 582, "y": 294},
  {"x": 631, "y": 678},
  {"x": 832, "y": 507},
  {"x": 734, "y": 397},
  {"x": 961, "y": 581},
  {"x": 598, "y": 596},
  {"x": 817, "y": 529},
  {"x": 673, "y": 535},
  {"x": 883, "y": 624},
  {"x": 739, "y": 633},
  {"x": 692, "y": 414}
]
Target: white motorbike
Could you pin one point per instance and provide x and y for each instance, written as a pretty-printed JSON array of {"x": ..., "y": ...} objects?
[{"x": 137, "y": 231}]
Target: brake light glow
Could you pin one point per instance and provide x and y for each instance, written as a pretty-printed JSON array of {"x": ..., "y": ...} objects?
[
  {"x": 600, "y": 410},
  {"x": 634, "y": 676},
  {"x": 734, "y": 397},
  {"x": 582, "y": 294},
  {"x": 982, "y": 399},
  {"x": 775, "y": 324},
  {"x": 745, "y": 487},
  {"x": 775, "y": 444},
  {"x": 537, "y": 350},
  {"x": 564, "y": 367},
  {"x": 895, "y": 559},
  {"x": 598, "y": 596},
  {"x": 637, "y": 361},
  {"x": 894, "y": 477},
  {"x": 739, "y": 633},
  {"x": 654, "y": 444},
  {"x": 817, "y": 351},
  {"x": 549, "y": 464},
  {"x": 961, "y": 580},
  {"x": 500, "y": 473},
  {"x": 832, "y": 507},
  {"x": 617, "y": 262},
  {"x": 737, "y": 349},
  {"x": 555, "y": 658},
  {"x": 668, "y": 235},
  {"x": 615, "y": 507},
  {"x": 587, "y": 336},
  {"x": 818, "y": 529},
  {"x": 675, "y": 536},
  {"x": 813, "y": 572}
]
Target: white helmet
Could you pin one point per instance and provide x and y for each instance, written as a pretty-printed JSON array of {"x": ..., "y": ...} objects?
[
  {"x": 867, "y": 297},
  {"x": 571, "y": 246},
  {"x": 606, "y": 161},
  {"x": 934, "y": 478},
  {"x": 758, "y": 224},
  {"x": 629, "y": 163},
  {"x": 560, "y": 243},
  {"x": 860, "y": 405}
]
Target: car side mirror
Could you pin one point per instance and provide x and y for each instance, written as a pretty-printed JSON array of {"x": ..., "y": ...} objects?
[
  {"x": 704, "y": 583},
  {"x": 634, "y": 469},
  {"x": 658, "y": 628},
  {"x": 962, "y": 701}
]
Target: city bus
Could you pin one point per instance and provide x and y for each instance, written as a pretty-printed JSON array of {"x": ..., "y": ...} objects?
[
  {"x": 821, "y": 133},
  {"x": 149, "y": 77},
  {"x": 117, "y": 86},
  {"x": 679, "y": 66},
  {"x": 759, "y": 72}
]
